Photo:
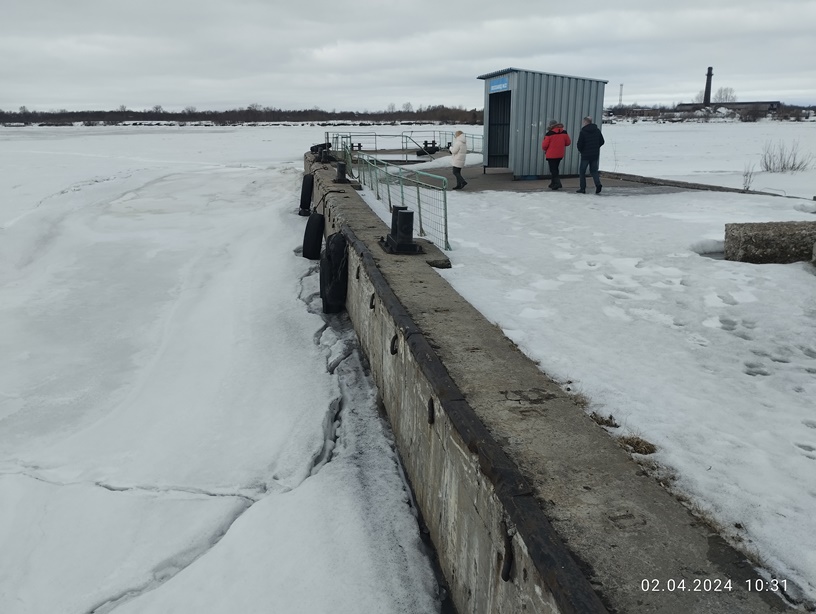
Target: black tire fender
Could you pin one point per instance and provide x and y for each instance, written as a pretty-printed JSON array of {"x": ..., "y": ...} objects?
[
  {"x": 313, "y": 236},
  {"x": 306, "y": 191},
  {"x": 334, "y": 274}
]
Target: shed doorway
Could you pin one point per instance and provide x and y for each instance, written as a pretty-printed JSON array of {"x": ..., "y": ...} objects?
[{"x": 498, "y": 130}]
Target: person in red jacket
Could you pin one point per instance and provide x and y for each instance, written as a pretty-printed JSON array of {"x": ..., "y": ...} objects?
[{"x": 555, "y": 145}]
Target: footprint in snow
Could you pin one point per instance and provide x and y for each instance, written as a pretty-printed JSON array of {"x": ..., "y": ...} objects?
[
  {"x": 809, "y": 450},
  {"x": 778, "y": 357},
  {"x": 733, "y": 327},
  {"x": 728, "y": 324},
  {"x": 755, "y": 368},
  {"x": 623, "y": 293},
  {"x": 698, "y": 340},
  {"x": 809, "y": 352}
]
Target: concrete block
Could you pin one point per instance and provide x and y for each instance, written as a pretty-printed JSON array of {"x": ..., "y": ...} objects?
[{"x": 770, "y": 242}]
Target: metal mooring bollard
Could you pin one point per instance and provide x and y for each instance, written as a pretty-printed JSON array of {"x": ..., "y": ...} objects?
[
  {"x": 405, "y": 227},
  {"x": 341, "y": 173},
  {"x": 401, "y": 238},
  {"x": 394, "y": 217}
]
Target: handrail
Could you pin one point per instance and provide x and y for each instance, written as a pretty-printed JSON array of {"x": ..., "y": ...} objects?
[{"x": 424, "y": 193}]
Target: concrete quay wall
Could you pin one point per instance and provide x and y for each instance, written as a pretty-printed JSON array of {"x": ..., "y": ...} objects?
[
  {"x": 530, "y": 505},
  {"x": 479, "y": 511}
]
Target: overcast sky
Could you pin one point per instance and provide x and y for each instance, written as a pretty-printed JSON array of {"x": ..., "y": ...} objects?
[{"x": 364, "y": 55}]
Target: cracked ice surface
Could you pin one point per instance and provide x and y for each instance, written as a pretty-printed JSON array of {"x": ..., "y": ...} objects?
[
  {"x": 163, "y": 402},
  {"x": 68, "y": 547}
]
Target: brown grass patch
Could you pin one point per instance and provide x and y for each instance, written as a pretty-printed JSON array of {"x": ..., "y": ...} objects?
[
  {"x": 636, "y": 444},
  {"x": 605, "y": 420}
]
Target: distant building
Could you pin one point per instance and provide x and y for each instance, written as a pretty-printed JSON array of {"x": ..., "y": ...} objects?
[{"x": 767, "y": 106}]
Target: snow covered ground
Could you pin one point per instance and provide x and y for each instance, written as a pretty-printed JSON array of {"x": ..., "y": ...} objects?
[
  {"x": 712, "y": 361},
  {"x": 170, "y": 396},
  {"x": 716, "y": 153}
]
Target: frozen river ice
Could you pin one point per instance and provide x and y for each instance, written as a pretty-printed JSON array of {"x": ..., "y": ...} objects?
[{"x": 172, "y": 437}]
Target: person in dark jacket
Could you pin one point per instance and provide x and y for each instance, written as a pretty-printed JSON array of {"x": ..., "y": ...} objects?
[
  {"x": 589, "y": 145},
  {"x": 555, "y": 145}
]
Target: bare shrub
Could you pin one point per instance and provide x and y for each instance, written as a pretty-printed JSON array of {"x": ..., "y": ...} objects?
[
  {"x": 780, "y": 158},
  {"x": 752, "y": 115},
  {"x": 747, "y": 177}
]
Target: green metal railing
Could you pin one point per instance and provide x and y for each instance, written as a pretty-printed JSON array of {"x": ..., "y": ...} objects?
[
  {"x": 397, "y": 184},
  {"x": 406, "y": 143},
  {"x": 423, "y": 193},
  {"x": 411, "y": 138},
  {"x": 368, "y": 141}
]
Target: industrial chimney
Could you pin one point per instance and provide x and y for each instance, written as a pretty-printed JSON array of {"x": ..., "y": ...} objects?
[{"x": 707, "y": 95}]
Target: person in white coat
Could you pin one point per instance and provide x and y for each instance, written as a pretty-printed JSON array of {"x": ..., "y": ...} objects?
[{"x": 458, "y": 151}]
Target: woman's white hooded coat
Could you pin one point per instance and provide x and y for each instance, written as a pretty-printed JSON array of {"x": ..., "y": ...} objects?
[{"x": 458, "y": 151}]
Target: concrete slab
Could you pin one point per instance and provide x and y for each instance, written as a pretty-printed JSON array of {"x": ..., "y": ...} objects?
[
  {"x": 479, "y": 181},
  {"x": 617, "y": 521},
  {"x": 482, "y": 179}
]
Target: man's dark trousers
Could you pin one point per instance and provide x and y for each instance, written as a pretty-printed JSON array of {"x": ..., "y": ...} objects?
[
  {"x": 555, "y": 179},
  {"x": 593, "y": 170}
]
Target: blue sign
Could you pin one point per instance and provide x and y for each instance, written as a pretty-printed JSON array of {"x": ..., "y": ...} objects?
[{"x": 499, "y": 85}]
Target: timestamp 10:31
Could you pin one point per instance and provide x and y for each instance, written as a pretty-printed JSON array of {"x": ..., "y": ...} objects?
[{"x": 711, "y": 585}]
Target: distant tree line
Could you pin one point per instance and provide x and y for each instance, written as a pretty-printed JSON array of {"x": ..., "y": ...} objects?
[
  {"x": 257, "y": 113},
  {"x": 250, "y": 114}
]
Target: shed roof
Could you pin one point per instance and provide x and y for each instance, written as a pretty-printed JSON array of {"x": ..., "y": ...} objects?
[{"x": 504, "y": 71}]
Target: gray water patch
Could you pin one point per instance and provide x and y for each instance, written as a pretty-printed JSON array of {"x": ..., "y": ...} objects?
[{"x": 710, "y": 248}]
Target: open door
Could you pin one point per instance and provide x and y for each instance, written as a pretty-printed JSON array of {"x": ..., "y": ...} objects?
[{"x": 498, "y": 130}]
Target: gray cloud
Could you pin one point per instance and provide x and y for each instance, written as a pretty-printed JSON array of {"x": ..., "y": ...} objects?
[{"x": 367, "y": 54}]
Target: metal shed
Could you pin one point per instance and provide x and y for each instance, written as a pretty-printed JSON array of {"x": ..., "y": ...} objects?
[{"x": 518, "y": 105}]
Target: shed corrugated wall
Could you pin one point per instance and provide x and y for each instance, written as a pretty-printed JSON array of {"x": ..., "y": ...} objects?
[{"x": 537, "y": 98}]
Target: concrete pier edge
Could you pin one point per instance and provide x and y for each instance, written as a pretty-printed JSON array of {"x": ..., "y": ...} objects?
[
  {"x": 571, "y": 590},
  {"x": 687, "y": 185},
  {"x": 530, "y": 505}
]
